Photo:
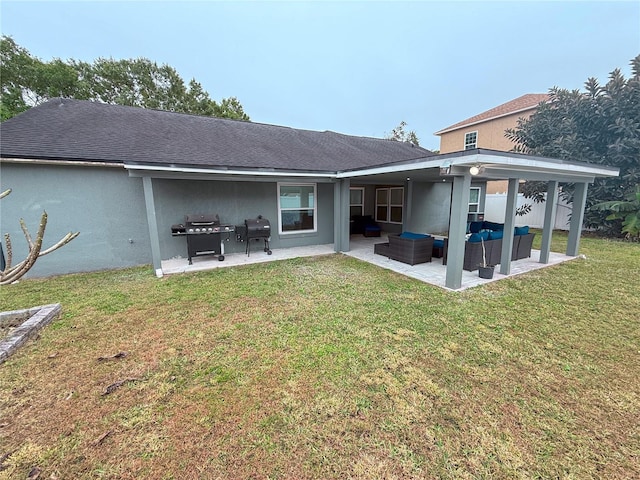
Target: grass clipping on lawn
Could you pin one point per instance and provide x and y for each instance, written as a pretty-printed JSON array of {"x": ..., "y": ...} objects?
[{"x": 329, "y": 368}]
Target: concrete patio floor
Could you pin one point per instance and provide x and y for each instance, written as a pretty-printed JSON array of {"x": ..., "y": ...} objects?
[{"x": 433, "y": 273}]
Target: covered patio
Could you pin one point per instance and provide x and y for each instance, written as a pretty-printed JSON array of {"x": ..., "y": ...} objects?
[
  {"x": 433, "y": 273},
  {"x": 458, "y": 170}
]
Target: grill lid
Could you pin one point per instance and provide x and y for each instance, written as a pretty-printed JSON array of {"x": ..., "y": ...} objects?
[
  {"x": 199, "y": 219},
  {"x": 258, "y": 227}
]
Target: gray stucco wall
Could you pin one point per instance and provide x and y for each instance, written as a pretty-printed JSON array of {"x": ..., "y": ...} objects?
[
  {"x": 430, "y": 207},
  {"x": 233, "y": 202},
  {"x": 431, "y": 204},
  {"x": 104, "y": 204},
  {"x": 107, "y": 207}
]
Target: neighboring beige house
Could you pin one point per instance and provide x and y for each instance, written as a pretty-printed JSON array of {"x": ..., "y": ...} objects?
[{"x": 486, "y": 130}]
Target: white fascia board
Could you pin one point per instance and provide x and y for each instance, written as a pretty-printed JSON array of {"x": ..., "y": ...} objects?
[
  {"x": 406, "y": 167},
  {"x": 73, "y": 163},
  {"x": 213, "y": 171},
  {"x": 537, "y": 164}
]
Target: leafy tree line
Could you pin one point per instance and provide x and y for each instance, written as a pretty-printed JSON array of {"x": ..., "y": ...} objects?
[
  {"x": 600, "y": 125},
  {"x": 28, "y": 81}
]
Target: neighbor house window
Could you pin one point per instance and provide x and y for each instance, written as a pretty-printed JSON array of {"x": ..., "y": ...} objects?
[
  {"x": 389, "y": 204},
  {"x": 356, "y": 201},
  {"x": 474, "y": 200},
  {"x": 470, "y": 140},
  {"x": 297, "y": 207}
]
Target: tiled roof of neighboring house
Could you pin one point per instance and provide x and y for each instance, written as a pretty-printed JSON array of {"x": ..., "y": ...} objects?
[
  {"x": 64, "y": 129},
  {"x": 520, "y": 104}
]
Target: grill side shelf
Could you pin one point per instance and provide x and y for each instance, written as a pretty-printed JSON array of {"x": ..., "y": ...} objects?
[{"x": 178, "y": 229}]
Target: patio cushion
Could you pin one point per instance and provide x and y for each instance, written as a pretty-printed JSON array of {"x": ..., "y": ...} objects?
[
  {"x": 372, "y": 231},
  {"x": 438, "y": 243},
  {"x": 475, "y": 238},
  {"x": 521, "y": 230},
  {"x": 413, "y": 236},
  {"x": 495, "y": 234}
]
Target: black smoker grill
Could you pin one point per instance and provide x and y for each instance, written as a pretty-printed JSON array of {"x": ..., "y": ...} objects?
[
  {"x": 205, "y": 235},
  {"x": 258, "y": 229}
]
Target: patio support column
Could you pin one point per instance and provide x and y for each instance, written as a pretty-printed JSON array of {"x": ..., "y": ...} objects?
[
  {"x": 457, "y": 231},
  {"x": 406, "y": 211},
  {"x": 341, "y": 202},
  {"x": 152, "y": 223},
  {"x": 509, "y": 225},
  {"x": 549, "y": 220},
  {"x": 577, "y": 217}
]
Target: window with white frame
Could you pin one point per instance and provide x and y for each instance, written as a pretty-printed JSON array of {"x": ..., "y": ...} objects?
[
  {"x": 389, "y": 204},
  {"x": 297, "y": 207},
  {"x": 356, "y": 201},
  {"x": 471, "y": 140},
  {"x": 474, "y": 199}
]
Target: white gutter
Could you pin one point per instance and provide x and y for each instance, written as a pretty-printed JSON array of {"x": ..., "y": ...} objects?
[
  {"x": 249, "y": 173},
  {"x": 78, "y": 163},
  {"x": 405, "y": 167},
  {"x": 488, "y": 160},
  {"x": 535, "y": 165}
]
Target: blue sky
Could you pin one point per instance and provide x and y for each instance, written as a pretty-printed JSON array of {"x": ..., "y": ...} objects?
[{"x": 352, "y": 67}]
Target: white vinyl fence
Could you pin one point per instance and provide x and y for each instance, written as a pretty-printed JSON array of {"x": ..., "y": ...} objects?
[{"x": 496, "y": 203}]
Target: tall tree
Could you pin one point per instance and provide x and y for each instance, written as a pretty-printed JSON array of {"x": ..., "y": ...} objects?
[
  {"x": 398, "y": 134},
  {"x": 28, "y": 81},
  {"x": 600, "y": 125}
]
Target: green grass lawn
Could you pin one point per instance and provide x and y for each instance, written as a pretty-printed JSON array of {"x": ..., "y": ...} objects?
[{"x": 329, "y": 367}]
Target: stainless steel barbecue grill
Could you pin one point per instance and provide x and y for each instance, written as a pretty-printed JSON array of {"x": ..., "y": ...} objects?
[{"x": 205, "y": 235}]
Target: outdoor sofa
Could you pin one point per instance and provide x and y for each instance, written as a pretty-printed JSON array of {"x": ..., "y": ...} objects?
[
  {"x": 491, "y": 234},
  {"x": 407, "y": 247}
]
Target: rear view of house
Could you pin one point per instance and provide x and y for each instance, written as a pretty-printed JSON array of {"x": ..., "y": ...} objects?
[{"x": 126, "y": 177}]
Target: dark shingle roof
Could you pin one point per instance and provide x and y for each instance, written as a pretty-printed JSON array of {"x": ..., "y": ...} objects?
[{"x": 64, "y": 129}]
